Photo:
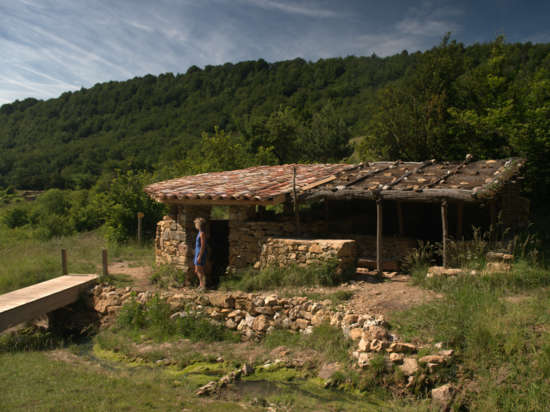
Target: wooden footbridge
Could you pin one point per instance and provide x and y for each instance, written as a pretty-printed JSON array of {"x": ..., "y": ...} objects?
[{"x": 33, "y": 301}]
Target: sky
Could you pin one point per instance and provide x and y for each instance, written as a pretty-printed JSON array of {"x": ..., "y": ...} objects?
[{"x": 48, "y": 47}]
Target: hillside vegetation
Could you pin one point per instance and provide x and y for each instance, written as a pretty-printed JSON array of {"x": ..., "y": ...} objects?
[{"x": 490, "y": 100}]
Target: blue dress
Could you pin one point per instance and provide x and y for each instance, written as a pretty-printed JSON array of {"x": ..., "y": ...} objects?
[{"x": 202, "y": 261}]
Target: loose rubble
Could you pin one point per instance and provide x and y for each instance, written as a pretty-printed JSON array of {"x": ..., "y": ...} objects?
[{"x": 254, "y": 315}]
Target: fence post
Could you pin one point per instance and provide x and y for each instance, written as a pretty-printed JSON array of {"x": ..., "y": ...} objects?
[
  {"x": 140, "y": 228},
  {"x": 64, "y": 269},
  {"x": 105, "y": 263}
]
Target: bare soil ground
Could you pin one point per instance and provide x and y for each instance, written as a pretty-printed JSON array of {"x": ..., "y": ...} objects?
[
  {"x": 395, "y": 293},
  {"x": 140, "y": 275}
]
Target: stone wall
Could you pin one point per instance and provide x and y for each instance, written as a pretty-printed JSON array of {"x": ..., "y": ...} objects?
[
  {"x": 175, "y": 237},
  {"x": 247, "y": 237},
  {"x": 283, "y": 252}
]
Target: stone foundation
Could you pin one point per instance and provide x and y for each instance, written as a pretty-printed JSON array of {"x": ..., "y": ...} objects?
[
  {"x": 284, "y": 252},
  {"x": 175, "y": 237}
]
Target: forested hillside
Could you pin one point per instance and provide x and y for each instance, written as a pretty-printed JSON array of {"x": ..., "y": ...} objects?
[{"x": 490, "y": 100}]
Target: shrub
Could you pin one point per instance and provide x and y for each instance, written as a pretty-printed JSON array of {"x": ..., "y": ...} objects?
[
  {"x": 272, "y": 277},
  {"x": 16, "y": 217}
]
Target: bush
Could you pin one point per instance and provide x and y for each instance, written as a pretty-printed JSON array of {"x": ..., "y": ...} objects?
[
  {"x": 16, "y": 217},
  {"x": 293, "y": 275}
]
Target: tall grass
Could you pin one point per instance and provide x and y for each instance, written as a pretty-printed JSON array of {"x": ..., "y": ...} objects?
[
  {"x": 25, "y": 260},
  {"x": 153, "y": 319},
  {"x": 499, "y": 325},
  {"x": 272, "y": 277}
]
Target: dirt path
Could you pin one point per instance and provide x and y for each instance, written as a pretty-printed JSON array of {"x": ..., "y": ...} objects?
[
  {"x": 395, "y": 294},
  {"x": 140, "y": 275}
]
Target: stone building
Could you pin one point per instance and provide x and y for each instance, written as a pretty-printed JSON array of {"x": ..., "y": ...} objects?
[{"x": 368, "y": 215}]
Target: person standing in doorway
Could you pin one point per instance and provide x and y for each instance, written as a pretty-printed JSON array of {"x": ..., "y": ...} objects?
[{"x": 200, "y": 252}]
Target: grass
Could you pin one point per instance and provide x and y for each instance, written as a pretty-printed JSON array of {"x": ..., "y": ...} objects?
[
  {"x": 27, "y": 260},
  {"x": 326, "y": 339},
  {"x": 289, "y": 276},
  {"x": 39, "y": 383},
  {"x": 499, "y": 325},
  {"x": 153, "y": 320}
]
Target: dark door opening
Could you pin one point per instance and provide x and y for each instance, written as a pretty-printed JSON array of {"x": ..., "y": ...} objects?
[{"x": 219, "y": 247}]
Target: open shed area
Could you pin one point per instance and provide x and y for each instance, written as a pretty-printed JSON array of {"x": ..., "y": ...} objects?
[{"x": 367, "y": 215}]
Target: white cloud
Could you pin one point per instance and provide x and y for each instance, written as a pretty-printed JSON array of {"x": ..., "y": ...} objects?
[{"x": 293, "y": 8}]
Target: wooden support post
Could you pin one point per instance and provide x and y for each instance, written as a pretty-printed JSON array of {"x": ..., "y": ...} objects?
[
  {"x": 379, "y": 268},
  {"x": 139, "y": 226},
  {"x": 400, "y": 219},
  {"x": 459, "y": 220},
  {"x": 295, "y": 198},
  {"x": 445, "y": 230},
  {"x": 327, "y": 215},
  {"x": 105, "y": 262},
  {"x": 64, "y": 269}
]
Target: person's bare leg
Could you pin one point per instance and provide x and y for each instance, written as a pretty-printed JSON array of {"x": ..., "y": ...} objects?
[{"x": 201, "y": 276}]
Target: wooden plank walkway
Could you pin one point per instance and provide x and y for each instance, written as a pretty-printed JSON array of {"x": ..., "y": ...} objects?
[{"x": 33, "y": 301}]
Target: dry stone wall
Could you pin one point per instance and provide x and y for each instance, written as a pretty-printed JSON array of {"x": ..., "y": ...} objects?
[
  {"x": 175, "y": 238},
  {"x": 283, "y": 252},
  {"x": 255, "y": 315}
]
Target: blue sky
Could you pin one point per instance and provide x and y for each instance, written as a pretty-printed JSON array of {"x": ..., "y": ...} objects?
[{"x": 51, "y": 46}]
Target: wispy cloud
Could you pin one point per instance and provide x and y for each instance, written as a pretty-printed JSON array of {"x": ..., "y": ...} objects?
[
  {"x": 51, "y": 46},
  {"x": 309, "y": 10}
]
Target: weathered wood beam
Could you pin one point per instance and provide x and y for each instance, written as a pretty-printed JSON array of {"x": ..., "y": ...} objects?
[
  {"x": 445, "y": 230},
  {"x": 295, "y": 199},
  {"x": 427, "y": 195},
  {"x": 224, "y": 202}
]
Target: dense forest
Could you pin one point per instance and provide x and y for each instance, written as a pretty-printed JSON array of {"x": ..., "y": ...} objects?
[{"x": 490, "y": 100}]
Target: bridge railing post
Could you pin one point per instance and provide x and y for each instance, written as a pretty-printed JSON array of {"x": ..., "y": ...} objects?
[
  {"x": 105, "y": 262},
  {"x": 64, "y": 269}
]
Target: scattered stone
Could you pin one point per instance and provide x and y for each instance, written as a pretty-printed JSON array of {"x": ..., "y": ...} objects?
[
  {"x": 356, "y": 334},
  {"x": 247, "y": 369},
  {"x": 409, "y": 367},
  {"x": 402, "y": 347},
  {"x": 437, "y": 359},
  {"x": 443, "y": 271},
  {"x": 328, "y": 369},
  {"x": 443, "y": 395},
  {"x": 396, "y": 357},
  {"x": 364, "y": 360}
]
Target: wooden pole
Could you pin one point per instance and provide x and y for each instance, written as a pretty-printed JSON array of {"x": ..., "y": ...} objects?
[
  {"x": 459, "y": 220},
  {"x": 379, "y": 268},
  {"x": 327, "y": 227},
  {"x": 400, "y": 219},
  {"x": 140, "y": 226},
  {"x": 295, "y": 197},
  {"x": 64, "y": 269},
  {"x": 105, "y": 262},
  {"x": 445, "y": 230}
]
